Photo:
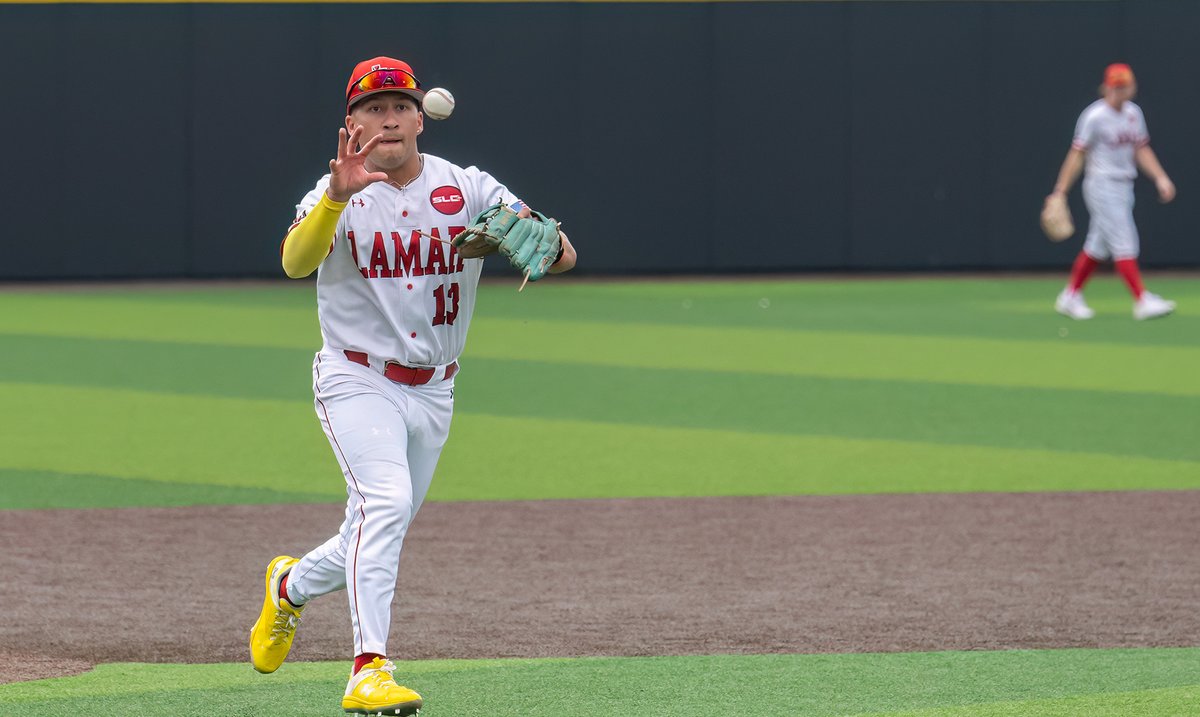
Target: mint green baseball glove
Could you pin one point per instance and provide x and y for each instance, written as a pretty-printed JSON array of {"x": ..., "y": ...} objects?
[{"x": 531, "y": 244}]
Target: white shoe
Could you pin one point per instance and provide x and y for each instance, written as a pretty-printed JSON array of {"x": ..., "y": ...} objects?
[
  {"x": 1071, "y": 303},
  {"x": 1151, "y": 306}
]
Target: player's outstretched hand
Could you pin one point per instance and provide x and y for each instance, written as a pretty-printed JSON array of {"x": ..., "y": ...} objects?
[
  {"x": 1166, "y": 189},
  {"x": 348, "y": 174}
]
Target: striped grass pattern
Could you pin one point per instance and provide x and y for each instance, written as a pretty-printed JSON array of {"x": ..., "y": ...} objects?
[
  {"x": 186, "y": 395},
  {"x": 178, "y": 396}
]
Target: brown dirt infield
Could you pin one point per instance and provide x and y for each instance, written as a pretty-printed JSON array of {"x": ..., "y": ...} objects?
[{"x": 621, "y": 577}]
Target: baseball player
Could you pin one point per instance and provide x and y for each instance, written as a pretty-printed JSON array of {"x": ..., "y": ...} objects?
[
  {"x": 395, "y": 299},
  {"x": 1111, "y": 138}
]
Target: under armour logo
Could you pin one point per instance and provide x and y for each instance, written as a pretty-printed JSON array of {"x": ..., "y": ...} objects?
[{"x": 358, "y": 203}]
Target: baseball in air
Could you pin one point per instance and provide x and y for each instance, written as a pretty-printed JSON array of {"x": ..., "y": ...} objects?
[{"x": 438, "y": 103}]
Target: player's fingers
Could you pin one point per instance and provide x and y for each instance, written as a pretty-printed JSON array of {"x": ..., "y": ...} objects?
[
  {"x": 371, "y": 144},
  {"x": 341, "y": 150},
  {"x": 377, "y": 177},
  {"x": 353, "y": 140}
]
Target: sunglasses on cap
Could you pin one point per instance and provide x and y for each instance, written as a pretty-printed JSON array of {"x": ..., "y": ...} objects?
[{"x": 381, "y": 79}]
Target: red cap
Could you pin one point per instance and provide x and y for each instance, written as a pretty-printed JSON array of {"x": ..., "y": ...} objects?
[
  {"x": 1118, "y": 74},
  {"x": 382, "y": 74}
]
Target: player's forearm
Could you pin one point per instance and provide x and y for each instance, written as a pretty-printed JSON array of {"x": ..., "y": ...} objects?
[
  {"x": 1148, "y": 162},
  {"x": 307, "y": 245},
  {"x": 567, "y": 262},
  {"x": 1071, "y": 167}
]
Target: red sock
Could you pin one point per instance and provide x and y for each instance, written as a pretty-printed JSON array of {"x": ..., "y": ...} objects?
[
  {"x": 1128, "y": 269},
  {"x": 363, "y": 660},
  {"x": 283, "y": 591},
  {"x": 1082, "y": 269}
]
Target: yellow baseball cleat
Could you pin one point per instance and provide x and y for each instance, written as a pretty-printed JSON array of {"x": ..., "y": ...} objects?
[
  {"x": 373, "y": 691},
  {"x": 271, "y": 637}
]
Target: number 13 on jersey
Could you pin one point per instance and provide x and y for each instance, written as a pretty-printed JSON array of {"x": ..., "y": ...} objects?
[{"x": 444, "y": 296}]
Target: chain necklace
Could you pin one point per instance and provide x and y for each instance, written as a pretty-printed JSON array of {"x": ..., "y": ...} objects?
[{"x": 397, "y": 185}]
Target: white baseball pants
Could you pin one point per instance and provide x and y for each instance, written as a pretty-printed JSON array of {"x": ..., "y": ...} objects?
[
  {"x": 1111, "y": 231},
  {"x": 387, "y": 438}
]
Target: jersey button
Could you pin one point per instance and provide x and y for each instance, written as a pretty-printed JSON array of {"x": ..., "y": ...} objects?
[
  {"x": 413, "y": 334},
  {"x": 410, "y": 286},
  {"x": 404, "y": 213}
]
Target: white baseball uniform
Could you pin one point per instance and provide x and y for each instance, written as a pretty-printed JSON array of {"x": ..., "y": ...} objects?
[
  {"x": 1110, "y": 138},
  {"x": 394, "y": 309}
]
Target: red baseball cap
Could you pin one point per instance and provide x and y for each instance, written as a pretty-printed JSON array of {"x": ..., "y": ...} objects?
[
  {"x": 382, "y": 74},
  {"x": 1118, "y": 74}
]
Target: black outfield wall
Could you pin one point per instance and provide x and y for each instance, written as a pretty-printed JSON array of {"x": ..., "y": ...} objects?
[{"x": 173, "y": 140}]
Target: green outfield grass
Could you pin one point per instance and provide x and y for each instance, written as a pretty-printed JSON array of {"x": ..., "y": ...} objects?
[
  {"x": 1095, "y": 683},
  {"x": 193, "y": 395},
  {"x": 164, "y": 396}
]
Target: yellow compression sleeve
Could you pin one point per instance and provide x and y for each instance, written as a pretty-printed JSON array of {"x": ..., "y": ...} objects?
[{"x": 307, "y": 245}]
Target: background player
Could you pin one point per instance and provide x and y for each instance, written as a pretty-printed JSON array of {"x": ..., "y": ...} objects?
[
  {"x": 1111, "y": 137},
  {"x": 394, "y": 307}
]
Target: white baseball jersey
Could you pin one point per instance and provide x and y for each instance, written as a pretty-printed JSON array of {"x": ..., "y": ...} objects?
[
  {"x": 389, "y": 292},
  {"x": 1110, "y": 138}
]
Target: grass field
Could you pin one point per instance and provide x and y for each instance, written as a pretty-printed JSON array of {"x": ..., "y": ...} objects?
[
  {"x": 150, "y": 396},
  {"x": 1101, "y": 683}
]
